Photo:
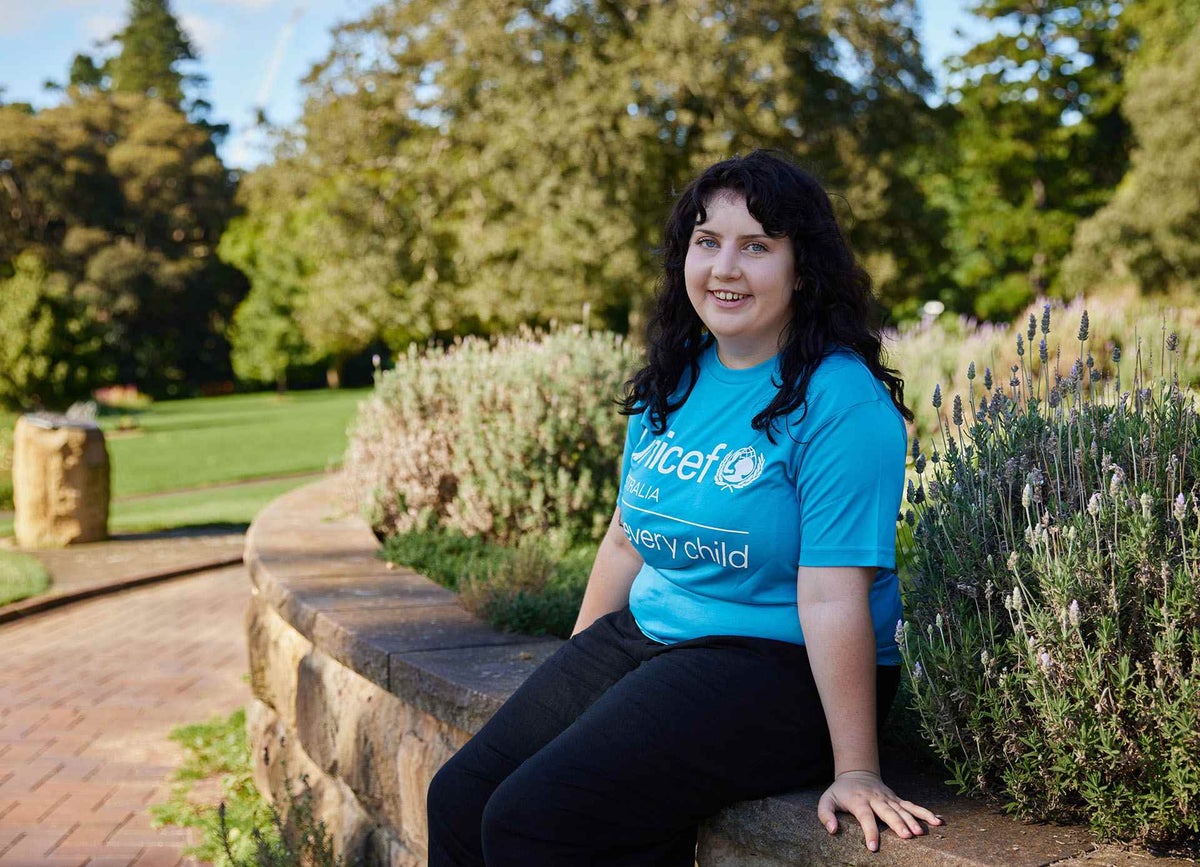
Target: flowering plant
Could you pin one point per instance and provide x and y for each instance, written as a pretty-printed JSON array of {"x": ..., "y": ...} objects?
[{"x": 1053, "y": 584}]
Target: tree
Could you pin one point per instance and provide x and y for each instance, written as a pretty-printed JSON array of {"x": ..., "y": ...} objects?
[
  {"x": 489, "y": 164},
  {"x": 46, "y": 356},
  {"x": 124, "y": 199},
  {"x": 1040, "y": 143},
  {"x": 1149, "y": 234},
  {"x": 152, "y": 45}
]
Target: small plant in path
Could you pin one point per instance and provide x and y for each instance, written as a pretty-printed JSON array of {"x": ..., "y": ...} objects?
[
  {"x": 1053, "y": 586},
  {"x": 244, "y": 828}
]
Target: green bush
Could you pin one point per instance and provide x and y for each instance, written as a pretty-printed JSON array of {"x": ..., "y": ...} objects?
[
  {"x": 495, "y": 439},
  {"x": 1053, "y": 586}
]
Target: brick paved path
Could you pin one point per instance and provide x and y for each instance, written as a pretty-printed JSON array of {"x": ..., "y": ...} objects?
[{"x": 88, "y": 694}]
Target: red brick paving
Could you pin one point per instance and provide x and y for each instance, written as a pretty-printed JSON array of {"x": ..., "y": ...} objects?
[{"x": 88, "y": 694}]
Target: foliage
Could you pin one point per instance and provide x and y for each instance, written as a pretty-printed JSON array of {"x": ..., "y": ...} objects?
[
  {"x": 1149, "y": 234},
  {"x": 21, "y": 576},
  {"x": 534, "y": 588},
  {"x": 244, "y": 829},
  {"x": 1039, "y": 143},
  {"x": 944, "y": 353},
  {"x": 110, "y": 207},
  {"x": 1053, "y": 586},
  {"x": 498, "y": 439},
  {"x": 8, "y": 424},
  {"x": 469, "y": 167},
  {"x": 43, "y": 360}
]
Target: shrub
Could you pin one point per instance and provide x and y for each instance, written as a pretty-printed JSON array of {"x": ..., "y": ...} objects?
[
  {"x": 495, "y": 439},
  {"x": 1053, "y": 586}
]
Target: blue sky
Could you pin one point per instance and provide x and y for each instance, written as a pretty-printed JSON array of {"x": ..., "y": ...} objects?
[{"x": 253, "y": 51}]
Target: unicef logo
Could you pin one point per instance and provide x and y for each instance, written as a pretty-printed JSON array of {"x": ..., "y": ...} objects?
[{"x": 739, "y": 469}]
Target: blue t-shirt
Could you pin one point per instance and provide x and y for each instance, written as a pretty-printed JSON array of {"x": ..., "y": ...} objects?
[{"x": 723, "y": 517}]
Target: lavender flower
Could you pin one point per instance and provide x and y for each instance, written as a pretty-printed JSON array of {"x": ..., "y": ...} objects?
[
  {"x": 1043, "y": 350},
  {"x": 987, "y": 378},
  {"x": 971, "y": 371},
  {"x": 1073, "y": 612},
  {"x": 1172, "y": 342},
  {"x": 1116, "y": 354},
  {"x": 1093, "y": 505},
  {"x": 958, "y": 410},
  {"x": 1180, "y": 508},
  {"x": 1044, "y": 661},
  {"x": 1083, "y": 326},
  {"x": 1046, "y": 318},
  {"x": 937, "y": 396},
  {"x": 1032, "y": 327}
]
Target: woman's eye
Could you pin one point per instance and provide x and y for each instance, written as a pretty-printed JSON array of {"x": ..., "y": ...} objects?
[
  {"x": 702, "y": 242},
  {"x": 761, "y": 247}
]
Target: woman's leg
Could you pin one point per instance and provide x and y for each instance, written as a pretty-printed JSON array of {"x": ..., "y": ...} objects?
[
  {"x": 550, "y": 700},
  {"x": 701, "y": 725}
]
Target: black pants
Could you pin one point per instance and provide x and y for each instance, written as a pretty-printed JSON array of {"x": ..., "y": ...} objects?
[{"x": 617, "y": 747}]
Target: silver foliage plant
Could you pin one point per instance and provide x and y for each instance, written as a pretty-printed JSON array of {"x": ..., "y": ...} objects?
[
  {"x": 1051, "y": 561},
  {"x": 496, "y": 439}
]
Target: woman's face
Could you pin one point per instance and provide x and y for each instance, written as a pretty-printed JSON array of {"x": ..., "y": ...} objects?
[{"x": 740, "y": 281}]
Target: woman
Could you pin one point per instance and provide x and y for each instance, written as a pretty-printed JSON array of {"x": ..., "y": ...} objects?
[{"x": 743, "y": 604}]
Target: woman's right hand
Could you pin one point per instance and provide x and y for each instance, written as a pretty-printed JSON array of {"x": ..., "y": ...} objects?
[{"x": 864, "y": 795}]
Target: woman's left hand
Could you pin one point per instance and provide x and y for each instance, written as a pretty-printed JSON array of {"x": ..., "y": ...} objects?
[{"x": 864, "y": 795}]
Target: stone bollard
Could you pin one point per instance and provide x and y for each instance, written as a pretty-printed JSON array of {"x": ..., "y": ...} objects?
[{"x": 60, "y": 481}]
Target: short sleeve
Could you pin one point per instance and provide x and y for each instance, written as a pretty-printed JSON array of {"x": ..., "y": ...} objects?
[
  {"x": 633, "y": 435},
  {"x": 849, "y": 485}
]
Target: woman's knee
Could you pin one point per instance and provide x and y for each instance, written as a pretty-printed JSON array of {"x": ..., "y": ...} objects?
[
  {"x": 510, "y": 821},
  {"x": 452, "y": 794}
]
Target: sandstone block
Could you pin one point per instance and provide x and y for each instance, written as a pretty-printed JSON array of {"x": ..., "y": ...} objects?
[
  {"x": 275, "y": 650},
  {"x": 60, "y": 481},
  {"x": 279, "y": 766},
  {"x": 383, "y": 749}
]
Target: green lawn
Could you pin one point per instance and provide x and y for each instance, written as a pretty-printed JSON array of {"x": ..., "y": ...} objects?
[
  {"x": 191, "y": 443},
  {"x": 20, "y": 576},
  {"x": 235, "y": 506},
  {"x": 187, "y": 444}
]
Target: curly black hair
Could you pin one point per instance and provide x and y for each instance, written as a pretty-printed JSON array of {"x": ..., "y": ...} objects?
[{"x": 833, "y": 308}]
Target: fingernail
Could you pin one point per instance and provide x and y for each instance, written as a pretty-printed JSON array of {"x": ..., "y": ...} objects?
[
  {"x": 873, "y": 846},
  {"x": 831, "y": 827}
]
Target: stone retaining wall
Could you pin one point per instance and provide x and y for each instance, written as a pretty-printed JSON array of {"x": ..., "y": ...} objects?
[{"x": 367, "y": 678}]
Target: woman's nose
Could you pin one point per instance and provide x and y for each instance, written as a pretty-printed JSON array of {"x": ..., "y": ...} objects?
[{"x": 725, "y": 266}]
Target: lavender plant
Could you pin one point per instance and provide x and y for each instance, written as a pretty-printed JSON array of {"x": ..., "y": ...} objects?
[
  {"x": 495, "y": 439},
  {"x": 1052, "y": 582}
]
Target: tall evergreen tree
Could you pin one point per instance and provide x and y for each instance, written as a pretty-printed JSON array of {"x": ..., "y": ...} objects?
[{"x": 152, "y": 45}]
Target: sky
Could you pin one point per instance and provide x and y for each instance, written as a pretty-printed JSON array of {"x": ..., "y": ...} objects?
[{"x": 255, "y": 52}]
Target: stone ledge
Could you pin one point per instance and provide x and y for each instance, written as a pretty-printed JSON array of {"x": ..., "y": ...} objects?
[{"x": 317, "y": 569}]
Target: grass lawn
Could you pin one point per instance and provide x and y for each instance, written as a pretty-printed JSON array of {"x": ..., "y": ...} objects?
[
  {"x": 20, "y": 576},
  {"x": 205, "y": 441}
]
